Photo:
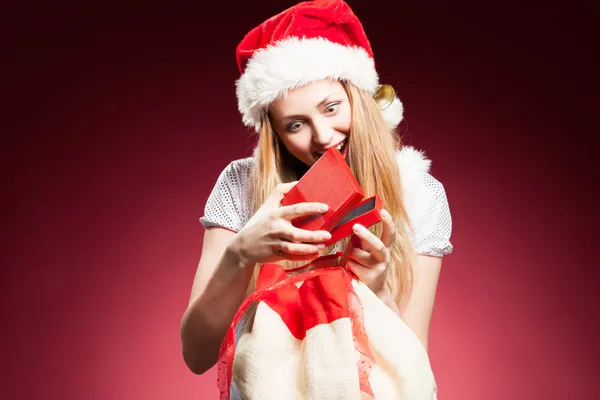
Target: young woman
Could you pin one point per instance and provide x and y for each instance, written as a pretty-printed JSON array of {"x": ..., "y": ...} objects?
[{"x": 308, "y": 83}]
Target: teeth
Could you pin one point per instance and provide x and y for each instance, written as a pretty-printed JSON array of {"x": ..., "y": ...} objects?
[{"x": 339, "y": 147}]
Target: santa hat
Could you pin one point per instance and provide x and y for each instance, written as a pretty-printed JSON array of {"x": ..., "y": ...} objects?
[{"x": 310, "y": 41}]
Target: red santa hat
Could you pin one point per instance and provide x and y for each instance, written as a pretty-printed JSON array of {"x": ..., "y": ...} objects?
[{"x": 310, "y": 41}]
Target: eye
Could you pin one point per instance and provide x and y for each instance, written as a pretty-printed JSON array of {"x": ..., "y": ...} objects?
[
  {"x": 294, "y": 126},
  {"x": 332, "y": 108}
]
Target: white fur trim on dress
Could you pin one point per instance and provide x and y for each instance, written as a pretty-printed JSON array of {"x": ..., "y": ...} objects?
[
  {"x": 294, "y": 62},
  {"x": 413, "y": 160},
  {"x": 413, "y": 164}
]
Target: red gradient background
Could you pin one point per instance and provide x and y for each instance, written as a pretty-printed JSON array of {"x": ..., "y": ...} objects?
[{"x": 117, "y": 127}]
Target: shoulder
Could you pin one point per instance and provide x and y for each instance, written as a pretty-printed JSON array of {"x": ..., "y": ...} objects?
[
  {"x": 426, "y": 203},
  {"x": 414, "y": 166},
  {"x": 234, "y": 175},
  {"x": 227, "y": 204},
  {"x": 233, "y": 178},
  {"x": 238, "y": 168},
  {"x": 419, "y": 186},
  {"x": 417, "y": 180}
]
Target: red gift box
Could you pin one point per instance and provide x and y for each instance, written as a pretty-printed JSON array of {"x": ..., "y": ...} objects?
[{"x": 331, "y": 181}]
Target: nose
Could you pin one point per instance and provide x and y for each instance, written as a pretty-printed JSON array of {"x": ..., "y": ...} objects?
[{"x": 322, "y": 133}]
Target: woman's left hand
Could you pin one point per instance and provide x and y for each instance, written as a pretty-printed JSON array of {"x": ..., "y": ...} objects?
[{"x": 370, "y": 263}]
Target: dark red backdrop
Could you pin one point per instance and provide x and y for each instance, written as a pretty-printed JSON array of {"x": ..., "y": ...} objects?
[{"x": 117, "y": 128}]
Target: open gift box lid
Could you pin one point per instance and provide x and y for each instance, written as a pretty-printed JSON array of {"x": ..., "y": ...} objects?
[{"x": 331, "y": 181}]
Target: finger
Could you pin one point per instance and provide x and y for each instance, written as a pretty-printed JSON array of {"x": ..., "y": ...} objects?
[
  {"x": 356, "y": 242},
  {"x": 362, "y": 257},
  {"x": 372, "y": 243},
  {"x": 282, "y": 189},
  {"x": 298, "y": 248},
  {"x": 389, "y": 229},
  {"x": 302, "y": 209},
  {"x": 364, "y": 274},
  {"x": 293, "y": 234}
]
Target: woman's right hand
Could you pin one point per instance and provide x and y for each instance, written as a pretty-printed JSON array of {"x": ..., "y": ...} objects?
[{"x": 269, "y": 235}]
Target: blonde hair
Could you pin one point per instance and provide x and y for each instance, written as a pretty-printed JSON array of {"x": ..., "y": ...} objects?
[{"x": 372, "y": 145}]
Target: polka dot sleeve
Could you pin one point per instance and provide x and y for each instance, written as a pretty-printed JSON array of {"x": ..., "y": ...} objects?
[
  {"x": 432, "y": 221},
  {"x": 226, "y": 205}
]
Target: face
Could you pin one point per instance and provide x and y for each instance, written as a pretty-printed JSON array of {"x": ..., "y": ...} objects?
[{"x": 311, "y": 119}]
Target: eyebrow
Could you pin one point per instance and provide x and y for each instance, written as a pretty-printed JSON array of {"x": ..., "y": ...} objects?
[{"x": 321, "y": 103}]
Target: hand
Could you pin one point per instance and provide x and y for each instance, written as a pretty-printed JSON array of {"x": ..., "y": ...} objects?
[
  {"x": 269, "y": 235},
  {"x": 370, "y": 263}
]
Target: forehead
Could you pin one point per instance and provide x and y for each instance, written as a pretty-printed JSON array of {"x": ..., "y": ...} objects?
[{"x": 307, "y": 98}]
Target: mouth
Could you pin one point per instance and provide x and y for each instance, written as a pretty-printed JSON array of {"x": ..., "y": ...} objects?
[{"x": 342, "y": 146}]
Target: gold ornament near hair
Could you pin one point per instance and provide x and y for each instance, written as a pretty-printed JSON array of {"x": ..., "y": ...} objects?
[{"x": 384, "y": 96}]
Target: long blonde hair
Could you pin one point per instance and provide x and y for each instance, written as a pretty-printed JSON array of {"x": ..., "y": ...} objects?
[{"x": 372, "y": 145}]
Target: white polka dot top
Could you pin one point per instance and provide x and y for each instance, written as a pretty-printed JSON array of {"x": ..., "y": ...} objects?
[{"x": 424, "y": 196}]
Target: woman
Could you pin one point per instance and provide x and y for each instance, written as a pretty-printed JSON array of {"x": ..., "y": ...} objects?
[{"x": 308, "y": 83}]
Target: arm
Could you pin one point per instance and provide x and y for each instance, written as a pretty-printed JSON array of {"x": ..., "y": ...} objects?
[
  {"x": 226, "y": 266},
  {"x": 433, "y": 227},
  {"x": 218, "y": 289},
  {"x": 417, "y": 310}
]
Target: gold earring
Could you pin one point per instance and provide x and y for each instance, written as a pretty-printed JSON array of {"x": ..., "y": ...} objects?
[{"x": 384, "y": 96}]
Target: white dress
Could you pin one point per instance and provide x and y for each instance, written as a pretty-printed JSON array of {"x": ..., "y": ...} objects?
[{"x": 424, "y": 196}]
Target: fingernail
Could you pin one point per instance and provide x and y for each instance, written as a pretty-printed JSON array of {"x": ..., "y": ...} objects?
[
  {"x": 321, "y": 246},
  {"x": 385, "y": 213},
  {"x": 323, "y": 209},
  {"x": 357, "y": 227}
]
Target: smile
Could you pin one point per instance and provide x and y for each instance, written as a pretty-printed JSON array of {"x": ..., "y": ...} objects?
[{"x": 341, "y": 147}]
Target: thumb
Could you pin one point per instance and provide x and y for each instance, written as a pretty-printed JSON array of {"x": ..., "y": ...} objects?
[
  {"x": 281, "y": 190},
  {"x": 284, "y": 188}
]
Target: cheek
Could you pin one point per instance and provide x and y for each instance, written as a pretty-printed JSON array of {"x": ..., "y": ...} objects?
[
  {"x": 343, "y": 120},
  {"x": 297, "y": 143}
]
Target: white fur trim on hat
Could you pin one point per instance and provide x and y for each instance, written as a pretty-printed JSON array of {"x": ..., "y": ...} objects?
[{"x": 294, "y": 62}]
